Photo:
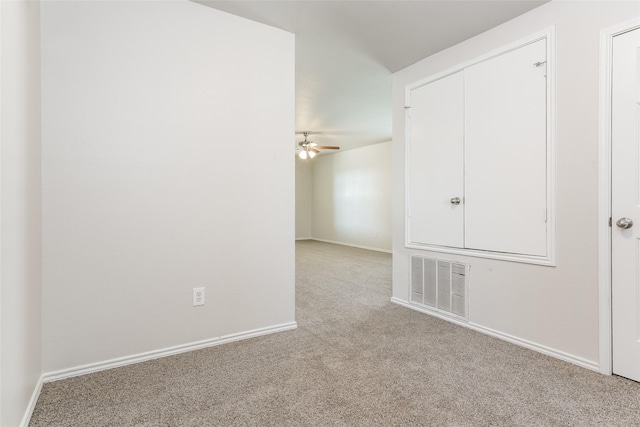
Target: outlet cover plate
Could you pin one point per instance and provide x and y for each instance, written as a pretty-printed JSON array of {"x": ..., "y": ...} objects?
[{"x": 198, "y": 296}]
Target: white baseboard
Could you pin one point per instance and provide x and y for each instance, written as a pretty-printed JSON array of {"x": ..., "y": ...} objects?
[
  {"x": 303, "y": 238},
  {"x": 169, "y": 351},
  {"x": 32, "y": 403},
  {"x": 558, "y": 354},
  {"x": 387, "y": 251}
]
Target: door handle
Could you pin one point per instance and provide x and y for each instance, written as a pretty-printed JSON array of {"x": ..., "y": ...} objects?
[
  {"x": 455, "y": 201},
  {"x": 624, "y": 223}
]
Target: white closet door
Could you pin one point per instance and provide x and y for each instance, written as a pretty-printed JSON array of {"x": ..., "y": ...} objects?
[
  {"x": 436, "y": 162},
  {"x": 505, "y": 152},
  {"x": 625, "y": 204}
]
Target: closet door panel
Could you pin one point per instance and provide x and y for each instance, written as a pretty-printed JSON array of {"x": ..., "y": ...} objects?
[
  {"x": 436, "y": 168},
  {"x": 505, "y": 152}
]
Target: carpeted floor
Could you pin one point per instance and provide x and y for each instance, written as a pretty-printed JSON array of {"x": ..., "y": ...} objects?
[{"x": 355, "y": 360}]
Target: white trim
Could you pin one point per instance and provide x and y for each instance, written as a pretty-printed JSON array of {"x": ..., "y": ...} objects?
[
  {"x": 604, "y": 195},
  {"x": 303, "y": 238},
  {"x": 32, "y": 403},
  {"x": 169, "y": 351},
  {"x": 503, "y": 256},
  {"x": 369, "y": 248},
  {"x": 531, "y": 38},
  {"x": 576, "y": 360},
  {"x": 549, "y": 259},
  {"x": 1, "y": 238},
  {"x": 551, "y": 146}
]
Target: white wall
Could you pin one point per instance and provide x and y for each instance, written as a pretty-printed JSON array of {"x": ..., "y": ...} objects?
[
  {"x": 352, "y": 197},
  {"x": 556, "y": 307},
  {"x": 20, "y": 214},
  {"x": 304, "y": 198},
  {"x": 151, "y": 183}
]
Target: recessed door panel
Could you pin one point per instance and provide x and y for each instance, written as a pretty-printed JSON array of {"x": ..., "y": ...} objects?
[
  {"x": 506, "y": 152},
  {"x": 436, "y": 213}
]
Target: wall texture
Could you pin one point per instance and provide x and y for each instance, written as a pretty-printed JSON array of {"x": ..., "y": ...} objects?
[
  {"x": 553, "y": 307},
  {"x": 151, "y": 186},
  {"x": 352, "y": 197},
  {"x": 20, "y": 228},
  {"x": 304, "y": 199}
]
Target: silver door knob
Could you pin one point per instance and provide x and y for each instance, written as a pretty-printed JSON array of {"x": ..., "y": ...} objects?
[
  {"x": 455, "y": 201},
  {"x": 624, "y": 223}
]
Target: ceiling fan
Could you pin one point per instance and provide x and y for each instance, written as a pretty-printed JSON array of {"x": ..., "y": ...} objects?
[{"x": 308, "y": 149}]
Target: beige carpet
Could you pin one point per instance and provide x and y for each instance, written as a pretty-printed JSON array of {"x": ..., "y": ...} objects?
[{"x": 355, "y": 360}]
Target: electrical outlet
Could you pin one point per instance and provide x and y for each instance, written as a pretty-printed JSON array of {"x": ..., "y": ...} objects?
[{"x": 198, "y": 296}]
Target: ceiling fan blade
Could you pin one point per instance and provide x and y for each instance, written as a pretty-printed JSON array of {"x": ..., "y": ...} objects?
[
  {"x": 314, "y": 150},
  {"x": 327, "y": 147}
]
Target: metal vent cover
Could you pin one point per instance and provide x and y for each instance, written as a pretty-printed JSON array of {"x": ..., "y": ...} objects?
[{"x": 440, "y": 285}]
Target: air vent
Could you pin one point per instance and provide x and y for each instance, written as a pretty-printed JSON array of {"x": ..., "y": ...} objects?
[{"x": 440, "y": 285}]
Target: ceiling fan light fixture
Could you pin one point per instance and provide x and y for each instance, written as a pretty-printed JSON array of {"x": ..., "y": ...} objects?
[{"x": 307, "y": 150}]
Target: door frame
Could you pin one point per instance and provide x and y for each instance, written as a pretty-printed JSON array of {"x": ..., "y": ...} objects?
[{"x": 604, "y": 195}]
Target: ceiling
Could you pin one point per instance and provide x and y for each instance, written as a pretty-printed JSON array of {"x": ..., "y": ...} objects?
[{"x": 346, "y": 52}]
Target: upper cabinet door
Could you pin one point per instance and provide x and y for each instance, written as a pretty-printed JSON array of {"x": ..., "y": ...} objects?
[
  {"x": 435, "y": 160},
  {"x": 506, "y": 152}
]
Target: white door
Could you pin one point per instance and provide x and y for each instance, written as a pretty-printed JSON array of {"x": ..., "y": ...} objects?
[
  {"x": 436, "y": 163},
  {"x": 625, "y": 204},
  {"x": 506, "y": 152}
]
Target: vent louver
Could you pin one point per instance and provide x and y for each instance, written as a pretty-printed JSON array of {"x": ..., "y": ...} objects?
[{"x": 440, "y": 285}]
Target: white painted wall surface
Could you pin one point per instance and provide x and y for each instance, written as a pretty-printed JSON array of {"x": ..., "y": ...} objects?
[
  {"x": 304, "y": 198},
  {"x": 20, "y": 226},
  {"x": 151, "y": 186},
  {"x": 352, "y": 197},
  {"x": 552, "y": 307}
]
